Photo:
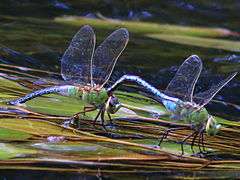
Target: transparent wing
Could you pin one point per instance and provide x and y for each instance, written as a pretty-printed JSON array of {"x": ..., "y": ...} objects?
[
  {"x": 203, "y": 98},
  {"x": 76, "y": 61},
  {"x": 106, "y": 55},
  {"x": 183, "y": 83}
]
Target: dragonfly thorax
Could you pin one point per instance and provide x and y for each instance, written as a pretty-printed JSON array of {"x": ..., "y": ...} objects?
[
  {"x": 198, "y": 118},
  {"x": 94, "y": 95},
  {"x": 97, "y": 95},
  {"x": 193, "y": 114}
]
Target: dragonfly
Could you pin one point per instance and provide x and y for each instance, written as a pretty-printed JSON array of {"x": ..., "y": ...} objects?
[
  {"x": 188, "y": 108},
  {"x": 86, "y": 71}
]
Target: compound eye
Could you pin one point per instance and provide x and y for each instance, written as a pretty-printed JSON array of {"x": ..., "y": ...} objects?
[
  {"x": 111, "y": 104},
  {"x": 113, "y": 101}
]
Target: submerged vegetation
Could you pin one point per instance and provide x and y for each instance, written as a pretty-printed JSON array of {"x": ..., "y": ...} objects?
[{"x": 127, "y": 147}]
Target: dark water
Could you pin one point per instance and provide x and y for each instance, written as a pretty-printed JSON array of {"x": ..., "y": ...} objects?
[
  {"x": 28, "y": 28},
  {"x": 29, "y": 37},
  {"x": 76, "y": 176}
]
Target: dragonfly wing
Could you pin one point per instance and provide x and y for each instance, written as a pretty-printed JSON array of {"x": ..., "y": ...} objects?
[
  {"x": 106, "y": 55},
  {"x": 76, "y": 61},
  {"x": 203, "y": 98},
  {"x": 183, "y": 83}
]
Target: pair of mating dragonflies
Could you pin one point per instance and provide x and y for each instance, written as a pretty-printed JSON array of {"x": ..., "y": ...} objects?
[{"x": 87, "y": 70}]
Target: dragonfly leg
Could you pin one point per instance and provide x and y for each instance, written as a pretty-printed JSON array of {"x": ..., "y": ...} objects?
[
  {"x": 102, "y": 117},
  {"x": 83, "y": 112},
  {"x": 193, "y": 141},
  {"x": 187, "y": 137},
  {"x": 95, "y": 120},
  {"x": 110, "y": 119},
  {"x": 86, "y": 107},
  {"x": 200, "y": 142},
  {"x": 165, "y": 134},
  {"x": 75, "y": 119},
  {"x": 168, "y": 131}
]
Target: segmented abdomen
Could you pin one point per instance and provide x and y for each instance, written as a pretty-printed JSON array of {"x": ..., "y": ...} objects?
[
  {"x": 62, "y": 90},
  {"x": 95, "y": 96},
  {"x": 27, "y": 97},
  {"x": 170, "y": 103}
]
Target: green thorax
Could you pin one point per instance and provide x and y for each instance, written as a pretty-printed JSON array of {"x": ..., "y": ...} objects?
[
  {"x": 94, "y": 95},
  {"x": 192, "y": 114}
]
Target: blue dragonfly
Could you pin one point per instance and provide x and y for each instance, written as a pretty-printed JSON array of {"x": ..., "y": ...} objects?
[
  {"x": 189, "y": 109},
  {"x": 180, "y": 102}
]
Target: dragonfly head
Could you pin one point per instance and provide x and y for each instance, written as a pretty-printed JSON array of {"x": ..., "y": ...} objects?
[
  {"x": 212, "y": 126},
  {"x": 112, "y": 104}
]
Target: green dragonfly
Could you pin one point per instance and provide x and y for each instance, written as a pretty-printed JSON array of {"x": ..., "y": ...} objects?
[
  {"x": 184, "y": 107},
  {"x": 86, "y": 71}
]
